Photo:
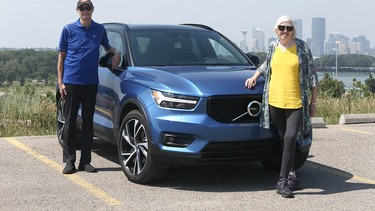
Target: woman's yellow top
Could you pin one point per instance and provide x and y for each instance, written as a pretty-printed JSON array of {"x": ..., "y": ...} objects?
[{"x": 284, "y": 90}]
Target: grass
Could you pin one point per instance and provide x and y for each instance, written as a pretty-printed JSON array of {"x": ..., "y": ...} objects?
[
  {"x": 26, "y": 112},
  {"x": 31, "y": 110},
  {"x": 331, "y": 109}
]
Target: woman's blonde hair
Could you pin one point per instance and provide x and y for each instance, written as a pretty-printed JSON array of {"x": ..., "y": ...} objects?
[{"x": 285, "y": 18}]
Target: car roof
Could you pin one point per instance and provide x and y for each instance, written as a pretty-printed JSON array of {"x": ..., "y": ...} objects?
[{"x": 140, "y": 27}]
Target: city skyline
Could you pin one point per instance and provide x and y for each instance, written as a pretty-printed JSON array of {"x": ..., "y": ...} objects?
[
  {"x": 38, "y": 23},
  {"x": 320, "y": 41}
]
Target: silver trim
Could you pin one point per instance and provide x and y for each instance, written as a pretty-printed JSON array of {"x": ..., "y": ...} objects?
[{"x": 251, "y": 108}]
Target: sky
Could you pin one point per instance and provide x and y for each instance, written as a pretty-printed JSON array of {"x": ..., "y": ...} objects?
[{"x": 38, "y": 23}]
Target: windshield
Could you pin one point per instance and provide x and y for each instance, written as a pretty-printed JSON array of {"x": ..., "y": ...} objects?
[{"x": 182, "y": 47}]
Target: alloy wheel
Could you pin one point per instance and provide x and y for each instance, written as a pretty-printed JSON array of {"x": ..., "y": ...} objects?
[
  {"x": 134, "y": 147},
  {"x": 60, "y": 120}
]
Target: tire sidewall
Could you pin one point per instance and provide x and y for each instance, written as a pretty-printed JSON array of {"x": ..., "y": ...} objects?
[{"x": 135, "y": 114}]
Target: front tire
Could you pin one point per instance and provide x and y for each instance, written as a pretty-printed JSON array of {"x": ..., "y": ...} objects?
[{"x": 133, "y": 150}]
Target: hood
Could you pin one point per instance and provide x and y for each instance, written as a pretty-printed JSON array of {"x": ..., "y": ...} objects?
[{"x": 196, "y": 80}]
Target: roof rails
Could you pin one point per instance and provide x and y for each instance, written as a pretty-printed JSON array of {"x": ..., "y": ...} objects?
[
  {"x": 117, "y": 23},
  {"x": 199, "y": 25}
]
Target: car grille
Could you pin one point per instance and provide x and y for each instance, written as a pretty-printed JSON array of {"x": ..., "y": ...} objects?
[
  {"x": 243, "y": 150},
  {"x": 226, "y": 109}
]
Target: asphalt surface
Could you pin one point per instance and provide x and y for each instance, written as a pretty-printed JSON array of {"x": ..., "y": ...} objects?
[{"x": 339, "y": 175}]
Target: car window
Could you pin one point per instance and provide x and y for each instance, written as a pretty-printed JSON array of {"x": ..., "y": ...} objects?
[
  {"x": 116, "y": 41},
  {"x": 174, "y": 47},
  {"x": 222, "y": 52},
  {"x": 142, "y": 44}
]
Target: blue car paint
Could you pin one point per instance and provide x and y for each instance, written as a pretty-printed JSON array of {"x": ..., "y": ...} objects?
[{"x": 194, "y": 81}]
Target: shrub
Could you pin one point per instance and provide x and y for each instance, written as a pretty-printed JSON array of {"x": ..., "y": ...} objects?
[{"x": 331, "y": 88}]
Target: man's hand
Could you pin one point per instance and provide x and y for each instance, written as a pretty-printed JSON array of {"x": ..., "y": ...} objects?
[
  {"x": 116, "y": 60},
  {"x": 62, "y": 90}
]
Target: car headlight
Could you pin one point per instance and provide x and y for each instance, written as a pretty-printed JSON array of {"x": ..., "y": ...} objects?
[{"x": 176, "y": 101}]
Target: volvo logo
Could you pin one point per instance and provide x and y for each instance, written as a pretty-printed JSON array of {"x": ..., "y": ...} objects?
[{"x": 254, "y": 108}]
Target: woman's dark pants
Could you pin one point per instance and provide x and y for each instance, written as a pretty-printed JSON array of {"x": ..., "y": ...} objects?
[{"x": 287, "y": 123}]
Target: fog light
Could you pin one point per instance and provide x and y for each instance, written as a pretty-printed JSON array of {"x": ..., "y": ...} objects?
[{"x": 177, "y": 140}]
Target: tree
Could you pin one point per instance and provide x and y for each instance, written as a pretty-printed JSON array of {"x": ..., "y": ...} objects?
[
  {"x": 11, "y": 68},
  {"x": 262, "y": 56},
  {"x": 357, "y": 89},
  {"x": 345, "y": 60},
  {"x": 370, "y": 83},
  {"x": 26, "y": 64},
  {"x": 329, "y": 87}
]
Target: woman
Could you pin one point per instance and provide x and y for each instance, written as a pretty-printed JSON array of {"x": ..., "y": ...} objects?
[{"x": 289, "y": 76}]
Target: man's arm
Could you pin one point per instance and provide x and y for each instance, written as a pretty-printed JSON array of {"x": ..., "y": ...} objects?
[{"x": 60, "y": 73}]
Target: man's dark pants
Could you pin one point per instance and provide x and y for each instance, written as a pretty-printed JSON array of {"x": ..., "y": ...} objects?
[{"x": 77, "y": 95}]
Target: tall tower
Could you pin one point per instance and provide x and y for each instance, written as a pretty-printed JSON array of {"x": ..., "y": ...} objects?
[
  {"x": 244, "y": 32},
  {"x": 298, "y": 27},
  {"x": 318, "y": 32},
  {"x": 243, "y": 44}
]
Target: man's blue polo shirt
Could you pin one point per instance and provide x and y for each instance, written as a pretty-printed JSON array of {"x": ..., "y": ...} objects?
[{"x": 82, "y": 45}]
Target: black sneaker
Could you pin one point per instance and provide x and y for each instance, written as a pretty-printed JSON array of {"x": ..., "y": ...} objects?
[
  {"x": 88, "y": 168},
  {"x": 69, "y": 168},
  {"x": 293, "y": 183},
  {"x": 283, "y": 189}
]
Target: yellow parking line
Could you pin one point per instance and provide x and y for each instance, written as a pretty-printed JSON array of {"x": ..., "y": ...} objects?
[
  {"x": 365, "y": 180},
  {"x": 339, "y": 172},
  {"x": 356, "y": 131},
  {"x": 74, "y": 178}
]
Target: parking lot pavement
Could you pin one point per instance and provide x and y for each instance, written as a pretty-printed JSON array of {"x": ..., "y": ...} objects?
[
  {"x": 339, "y": 175},
  {"x": 350, "y": 147}
]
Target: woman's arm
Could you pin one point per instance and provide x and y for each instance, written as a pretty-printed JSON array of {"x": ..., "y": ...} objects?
[
  {"x": 313, "y": 101},
  {"x": 251, "y": 82}
]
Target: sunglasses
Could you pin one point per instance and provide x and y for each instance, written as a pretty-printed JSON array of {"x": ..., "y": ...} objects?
[
  {"x": 84, "y": 8},
  {"x": 288, "y": 28}
]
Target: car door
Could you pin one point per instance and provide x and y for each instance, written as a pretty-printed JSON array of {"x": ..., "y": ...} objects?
[{"x": 108, "y": 89}]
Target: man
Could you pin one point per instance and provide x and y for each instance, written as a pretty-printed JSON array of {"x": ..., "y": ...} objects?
[{"x": 78, "y": 82}]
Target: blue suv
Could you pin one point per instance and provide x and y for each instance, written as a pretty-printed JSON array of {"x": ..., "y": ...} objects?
[{"x": 178, "y": 98}]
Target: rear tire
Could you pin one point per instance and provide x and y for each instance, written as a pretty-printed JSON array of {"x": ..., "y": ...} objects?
[
  {"x": 133, "y": 150},
  {"x": 60, "y": 120},
  {"x": 60, "y": 123}
]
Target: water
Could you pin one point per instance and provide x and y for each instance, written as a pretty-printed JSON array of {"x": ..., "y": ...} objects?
[{"x": 347, "y": 77}]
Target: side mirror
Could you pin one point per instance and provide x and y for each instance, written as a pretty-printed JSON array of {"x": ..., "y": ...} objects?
[
  {"x": 254, "y": 59},
  {"x": 106, "y": 61}
]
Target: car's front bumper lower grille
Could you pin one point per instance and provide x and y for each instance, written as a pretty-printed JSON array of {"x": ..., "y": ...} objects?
[{"x": 244, "y": 150}]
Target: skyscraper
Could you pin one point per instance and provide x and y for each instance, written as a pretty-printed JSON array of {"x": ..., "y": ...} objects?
[
  {"x": 332, "y": 43},
  {"x": 364, "y": 42},
  {"x": 318, "y": 32},
  {"x": 298, "y": 27},
  {"x": 257, "y": 41}
]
